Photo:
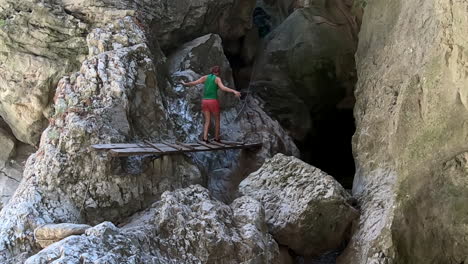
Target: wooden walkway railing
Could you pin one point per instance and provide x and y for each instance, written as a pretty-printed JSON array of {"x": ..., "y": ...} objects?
[{"x": 167, "y": 148}]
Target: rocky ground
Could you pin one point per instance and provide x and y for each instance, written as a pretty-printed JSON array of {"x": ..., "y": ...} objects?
[{"x": 77, "y": 73}]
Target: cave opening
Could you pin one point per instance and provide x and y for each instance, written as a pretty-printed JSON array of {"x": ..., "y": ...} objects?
[{"x": 328, "y": 147}]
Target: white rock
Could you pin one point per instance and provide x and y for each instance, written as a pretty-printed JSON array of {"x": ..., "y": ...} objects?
[
  {"x": 186, "y": 226},
  {"x": 306, "y": 209}
]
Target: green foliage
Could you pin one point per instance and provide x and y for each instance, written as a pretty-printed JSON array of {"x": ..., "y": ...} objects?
[{"x": 2, "y": 22}]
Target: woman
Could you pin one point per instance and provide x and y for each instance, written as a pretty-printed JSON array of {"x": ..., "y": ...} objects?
[{"x": 210, "y": 104}]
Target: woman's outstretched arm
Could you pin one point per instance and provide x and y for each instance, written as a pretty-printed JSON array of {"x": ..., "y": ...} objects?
[
  {"x": 226, "y": 89},
  {"x": 201, "y": 80}
]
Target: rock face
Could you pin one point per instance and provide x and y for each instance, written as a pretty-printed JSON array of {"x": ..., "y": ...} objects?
[
  {"x": 11, "y": 172},
  {"x": 298, "y": 89},
  {"x": 39, "y": 43},
  {"x": 186, "y": 226},
  {"x": 114, "y": 98},
  {"x": 7, "y": 143},
  {"x": 176, "y": 22},
  {"x": 412, "y": 131},
  {"x": 172, "y": 23},
  {"x": 241, "y": 121},
  {"x": 306, "y": 209}
]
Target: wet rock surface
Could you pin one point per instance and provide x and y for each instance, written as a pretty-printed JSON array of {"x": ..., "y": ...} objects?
[
  {"x": 306, "y": 209},
  {"x": 241, "y": 120}
]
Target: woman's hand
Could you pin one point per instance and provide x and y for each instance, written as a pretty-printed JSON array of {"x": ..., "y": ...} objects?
[
  {"x": 237, "y": 94},
  {"x": 184, "y": 83}
]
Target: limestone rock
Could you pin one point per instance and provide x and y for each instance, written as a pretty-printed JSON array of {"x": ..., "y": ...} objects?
[
  {"x": 306, "y": 209},
  {"x": 182, "y": 20},
  {"x": 7, "y": 145},
  {"x": 39, "y": 43},
  {"x": 298, "y": 89},
  {"x": 12, "y": 161},
  {"x": 411, "y": 139},
  {"x": 114, "y": 98},
  {"x": 242, "y": 121},
  {"x": 185, "y": 226},
  {"x": 48, "y": 234},
  {"x": 171, "y": 22}
]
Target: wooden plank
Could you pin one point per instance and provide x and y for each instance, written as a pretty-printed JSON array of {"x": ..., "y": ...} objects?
[
  {"x": 132, "y": 152},
  {"x": 185, "y": 145},
  {"x": 232, "y": 143},
  {"x": 139, "y": 151},
  {"x": 112, "y": 146},
  {"x": 153, "y": 145},
  {"x": 206, "y": 144},
  {"x": 142, "y": 149},
  {"x": 219, "y": 144},
  {"x": 181, "y": 148}
]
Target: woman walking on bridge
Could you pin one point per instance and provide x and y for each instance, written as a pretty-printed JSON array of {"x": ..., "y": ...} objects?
[{"x": 210, "y": 104}]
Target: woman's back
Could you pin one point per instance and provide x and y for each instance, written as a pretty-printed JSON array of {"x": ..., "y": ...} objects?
[{"x": 211, "y": 88}]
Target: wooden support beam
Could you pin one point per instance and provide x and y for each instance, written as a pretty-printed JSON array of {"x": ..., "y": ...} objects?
[
  {"x": 206, "y": 145},
  {"x": 232, "y": 143},
  {"x": 219, "y": 144},
  {"x": 175, "y": 146},
  {"x": 185, "y": 145},
  {"x": 153, "y": 145}
]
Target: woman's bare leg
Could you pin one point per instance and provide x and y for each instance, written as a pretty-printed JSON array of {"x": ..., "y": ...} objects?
[
  {"x": 206, "y": 127},
  {"x": 217, "y": 125}
]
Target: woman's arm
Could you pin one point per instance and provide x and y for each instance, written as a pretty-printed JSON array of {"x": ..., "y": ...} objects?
[
  {"x": 201, "y": 80},
  {"x": 224, "y": 88}
]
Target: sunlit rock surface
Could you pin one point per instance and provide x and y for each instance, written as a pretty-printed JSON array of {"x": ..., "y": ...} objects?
[
  {"x": 65, "y": 181},
  {"x": 306, "y": 209},
  {"x": 185, "y": 226}
]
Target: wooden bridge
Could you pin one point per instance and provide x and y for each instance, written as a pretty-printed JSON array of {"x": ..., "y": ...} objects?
[{"x": 167, "y": 148}]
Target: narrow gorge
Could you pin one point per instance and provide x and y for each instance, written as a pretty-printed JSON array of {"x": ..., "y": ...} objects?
[{"x": 360, "y": 107}]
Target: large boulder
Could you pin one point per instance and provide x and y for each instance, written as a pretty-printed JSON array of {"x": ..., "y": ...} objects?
[
  {"x": 114, "y": 98},
  {"x": 185, "y": 226},
  {"x": 39, "y": 43},
  {"x": 241, "y": 120},
  {"x": 306, "y": 209},
  {"x": 412, "y": 129},
  {"x": 300, "y": 90}
]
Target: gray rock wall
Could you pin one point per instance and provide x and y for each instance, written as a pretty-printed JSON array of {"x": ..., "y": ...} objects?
[
  {"x": 412, "y": 118},
  {"x": 65, "y": 181}
]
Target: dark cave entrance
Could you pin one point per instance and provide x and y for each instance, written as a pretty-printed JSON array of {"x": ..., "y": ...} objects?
[{"x": 329, "y": 146}]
